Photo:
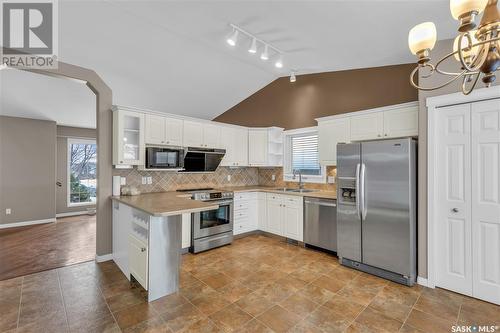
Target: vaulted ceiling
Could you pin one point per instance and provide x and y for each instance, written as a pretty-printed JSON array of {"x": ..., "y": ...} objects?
[{"x": 171, "y": 56}]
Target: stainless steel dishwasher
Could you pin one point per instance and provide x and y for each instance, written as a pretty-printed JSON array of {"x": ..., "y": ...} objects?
[{"x": 320, "y": 223}]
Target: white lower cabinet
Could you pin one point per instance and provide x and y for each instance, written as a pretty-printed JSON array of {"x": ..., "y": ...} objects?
[
  {"x": 245, "y": 212},
  {"x": 186, "y": 230},
  {"x": 262, "y": 211},
  {"x": 138, "y": 260},
  {"x": 285, "y": 216}
]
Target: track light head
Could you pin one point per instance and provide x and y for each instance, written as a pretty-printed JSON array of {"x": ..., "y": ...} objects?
[
  {"x": 253, "y": 47},
  {"x": 292, "y": 77},
  {"x": 265, "y": 53},
  {"x": 279, "y": 62},
  {"x": 233, "y": 38}
]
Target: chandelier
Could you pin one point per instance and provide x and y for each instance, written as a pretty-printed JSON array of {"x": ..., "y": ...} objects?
[{"x": 475, "y": 48}]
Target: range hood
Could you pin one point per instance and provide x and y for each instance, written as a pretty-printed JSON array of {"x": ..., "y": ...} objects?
[{"x": 202, "y": 159}]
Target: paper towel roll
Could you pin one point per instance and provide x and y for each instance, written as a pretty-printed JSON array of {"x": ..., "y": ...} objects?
[{"x": 116, "y": 185}]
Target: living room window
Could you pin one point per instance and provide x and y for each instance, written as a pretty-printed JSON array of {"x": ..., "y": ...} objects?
[
  {"x": 82, "y": 177},
  {"x": 302, "y": 156}
]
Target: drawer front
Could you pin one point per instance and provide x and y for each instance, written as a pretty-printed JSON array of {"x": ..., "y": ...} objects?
[
  {"x": 241, "y": 205},
  {"x": 274, "y": 197},
  {"x": 293, "y": 200},
  {"x": 243, "y": 214},
  {"x": 245, "y": 196}
]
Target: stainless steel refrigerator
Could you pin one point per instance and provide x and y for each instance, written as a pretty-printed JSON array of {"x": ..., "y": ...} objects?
[{"x": 377, "y": 207}]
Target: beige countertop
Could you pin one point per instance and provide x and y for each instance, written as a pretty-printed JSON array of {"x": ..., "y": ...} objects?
[
  {"x": 272, "y": 189},
  {"x": 165, "y": 203}
]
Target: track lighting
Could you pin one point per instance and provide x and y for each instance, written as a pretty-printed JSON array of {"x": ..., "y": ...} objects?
[
  {"x": 253, "y": 47},
  {"x": 279, "y": 62},
  {"x": 292, "y": 77},
  {"x": 265, "y": 53},
  {"x": 234, "y": 37}
]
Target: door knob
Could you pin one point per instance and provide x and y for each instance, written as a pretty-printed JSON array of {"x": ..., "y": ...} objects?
[{"x": 454, "y": 210}]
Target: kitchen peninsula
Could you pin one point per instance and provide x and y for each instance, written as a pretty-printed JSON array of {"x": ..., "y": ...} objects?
[{"x": 147, "y": 238}]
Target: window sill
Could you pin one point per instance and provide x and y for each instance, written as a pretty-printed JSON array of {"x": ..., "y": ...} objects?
[{"x": 81, "y": 204}]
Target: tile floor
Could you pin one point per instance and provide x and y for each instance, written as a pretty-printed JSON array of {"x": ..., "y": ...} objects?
[{"x": 257, "y": 284}]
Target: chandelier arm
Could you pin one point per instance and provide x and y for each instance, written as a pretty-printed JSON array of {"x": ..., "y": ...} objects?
[
  {"x": 466, "y": 91},
  {"x": 412, "y": 80},
  {"x": 483, "y": 58}
]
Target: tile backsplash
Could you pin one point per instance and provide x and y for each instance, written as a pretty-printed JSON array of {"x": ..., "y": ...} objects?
[{"x": 170, "y": 181}]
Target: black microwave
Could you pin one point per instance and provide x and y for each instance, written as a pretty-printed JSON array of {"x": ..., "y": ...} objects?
[{"x": 164, "y": 158}]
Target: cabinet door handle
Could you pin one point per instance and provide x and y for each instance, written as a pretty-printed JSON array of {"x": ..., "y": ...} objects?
[
  {"x": 143, "y": 249},
  {"x": 385, "y": 134},
  {"x": 379, "y": 135}
]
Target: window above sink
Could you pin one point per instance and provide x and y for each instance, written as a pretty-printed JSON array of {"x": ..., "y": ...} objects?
[{"x": 301, "y": 154}]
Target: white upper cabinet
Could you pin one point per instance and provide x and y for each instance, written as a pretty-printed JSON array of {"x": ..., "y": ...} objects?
[
  {"x": 211, "y": 136},
  {"x": 331, "y": 133},
  {"x": 173, "y": 128},
  {"x": 401, "y": 122},
  {"x": 382, "y": 123},
  {"x": 204, "y": 135},
  {"x": 163, "y": 131},
  {"x": 265, "y": 146},
  {"x": 154, "y": 130},
  {"x": 235, "y": 141},
  {"x": 193, "y": 134},
  {"x": 128, "y": 138},
  {"x": 257, "y": 147},
  {"x": 367, "y": 126}
]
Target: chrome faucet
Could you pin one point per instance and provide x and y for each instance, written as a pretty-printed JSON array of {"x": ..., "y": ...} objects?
[{"x": 301, "y": 184}]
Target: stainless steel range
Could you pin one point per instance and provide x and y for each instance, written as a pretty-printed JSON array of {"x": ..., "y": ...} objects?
[{"x": 212, "y": 228}]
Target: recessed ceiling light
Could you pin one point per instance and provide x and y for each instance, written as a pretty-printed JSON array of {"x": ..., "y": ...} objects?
[
  {"x": 279, "y": 62},
  {"x": 265, "y": 53},
  {"x": 253, "y": 47},
  {"x": 234, "y": 37}
]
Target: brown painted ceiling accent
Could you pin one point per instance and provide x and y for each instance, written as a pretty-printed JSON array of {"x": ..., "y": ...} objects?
[{"x": 296, "y": 105}]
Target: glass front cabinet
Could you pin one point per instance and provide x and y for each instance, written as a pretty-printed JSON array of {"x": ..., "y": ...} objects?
[{"x": 128, "y": 138}]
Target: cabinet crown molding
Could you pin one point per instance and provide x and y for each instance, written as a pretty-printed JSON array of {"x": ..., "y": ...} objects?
[{"x": 367, "y": 111}]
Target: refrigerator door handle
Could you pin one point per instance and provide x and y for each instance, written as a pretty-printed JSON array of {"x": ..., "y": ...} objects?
[
  {"x": 358, "y": 193},
  {"x": 362, "y": 179}
]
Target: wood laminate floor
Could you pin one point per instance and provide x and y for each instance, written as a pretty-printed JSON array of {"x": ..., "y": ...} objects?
[
  {"x": 257, "y": 284},
  {"x": 26, "y": 250}
]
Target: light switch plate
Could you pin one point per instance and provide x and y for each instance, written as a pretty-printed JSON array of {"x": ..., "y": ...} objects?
[
  {"x": 331, "y": 179},
  {"x": 144, "y": 180},
  {"x": 273, "y": 178},
  {"x": 8, "y": 211},
  {"x": 228, "y": 178},
  {"x": 150, "y": 180},
  {"x": 123, "y": 181}
]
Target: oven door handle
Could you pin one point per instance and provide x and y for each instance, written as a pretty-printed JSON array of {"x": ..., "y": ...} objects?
[{"x": 220, "y": 203}]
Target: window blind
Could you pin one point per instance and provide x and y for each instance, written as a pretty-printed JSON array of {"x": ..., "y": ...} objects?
[{"x": 305, "y": 154}]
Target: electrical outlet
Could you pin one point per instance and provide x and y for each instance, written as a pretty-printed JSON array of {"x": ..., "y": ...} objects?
[
  {"x": 150, "y": 180},
  {"x": 123, "y": 181},
  {"x": 8, "y": 211},
  {"x": 228, "y": 178},
  {"x": 144, "y": 180},
  {"x": 331, "y": 179},
  {"x": 273, "y": 178}
]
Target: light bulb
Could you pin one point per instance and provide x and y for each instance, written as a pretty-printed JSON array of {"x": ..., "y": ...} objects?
[
  {"x": 421, "y": 37},
  {"x": 460, "y": 8},
  {"x": 234, "y": 37},
  {"x": 253, "y": 47},
  {"x": 265, "y": 53},
  {"x": 292, "y": 77},
  {"x": 279, "y": 62}
]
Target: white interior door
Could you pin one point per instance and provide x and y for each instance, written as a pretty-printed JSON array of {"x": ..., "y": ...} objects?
[
  {"x": 486, "y": 200},
  {"x": 453, "y": 212}
]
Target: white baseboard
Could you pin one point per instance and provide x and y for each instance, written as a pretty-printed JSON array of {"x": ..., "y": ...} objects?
[
  {"x": 422, "y": 281},
  {"x": 26, "y": 223},
  {"x": 84, "y": 212},
  {"x": 103, "y": 258}
]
